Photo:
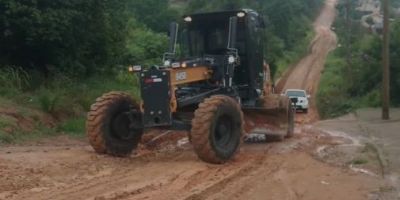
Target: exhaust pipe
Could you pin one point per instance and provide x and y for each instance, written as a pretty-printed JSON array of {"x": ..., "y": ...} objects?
[
  {"x": 173, "y": 37},
  {"x": 232, "y": 32}
]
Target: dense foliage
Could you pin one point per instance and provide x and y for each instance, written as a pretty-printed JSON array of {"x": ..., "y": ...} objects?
[
  {"x": 77, "y": 36},
  {"x": 57, "y": 56},
  {"x": 353, "y": 74},
  {"x": 84, "y": 37}
]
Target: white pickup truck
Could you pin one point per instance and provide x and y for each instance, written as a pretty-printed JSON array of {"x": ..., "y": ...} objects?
[{"x": 302, "y": 98}]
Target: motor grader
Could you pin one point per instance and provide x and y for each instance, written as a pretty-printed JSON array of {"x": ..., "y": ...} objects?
[{"x": 213, "y": 77}]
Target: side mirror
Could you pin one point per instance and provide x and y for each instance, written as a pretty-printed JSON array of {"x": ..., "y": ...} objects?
[
  {"x": 308, "y": 96},
  {"x": 173, "y": 37},
  {"x": 232, "y": 32}
]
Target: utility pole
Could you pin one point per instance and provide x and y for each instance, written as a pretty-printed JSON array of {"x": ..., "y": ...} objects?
[
  {"x": 348, "y": 42},
  {"x": 386, "y": 63}
]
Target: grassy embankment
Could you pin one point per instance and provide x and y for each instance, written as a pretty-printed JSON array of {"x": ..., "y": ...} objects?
[
  {"x": 353, "y": 74},
  {"x": 31, "y": 108}
]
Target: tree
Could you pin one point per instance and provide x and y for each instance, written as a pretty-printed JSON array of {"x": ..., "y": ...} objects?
[
  {"x": 155, "y": 14},
  {"x": 67, "y": 35}
]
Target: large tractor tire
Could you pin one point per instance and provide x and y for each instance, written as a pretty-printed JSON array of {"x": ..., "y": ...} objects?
[
  {"x": 110, "y": 127},
  {"x": 217, "y": 129}
]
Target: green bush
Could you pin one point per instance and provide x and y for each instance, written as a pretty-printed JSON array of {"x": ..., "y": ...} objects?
[
  {"x": 74, "y": 126},
  {"x": 19, "y": 135},
  {"x": 13, "y": 80},
  {"x": 49, "y": 100},
  {"x": 6, "y": 138},
  {"x": 143, "y": 46},
  {"x": 299, "y": 50},
  {"x": 353, "y": 73},
  {"x": 332, "y": 99}
]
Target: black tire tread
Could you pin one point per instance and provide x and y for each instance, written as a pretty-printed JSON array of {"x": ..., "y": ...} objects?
[
  {"x": 201, "y": 125},
  {"x": 95, "y": 118}
]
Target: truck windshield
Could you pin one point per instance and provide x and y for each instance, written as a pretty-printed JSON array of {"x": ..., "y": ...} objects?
[{"x": 296, "y": 94}]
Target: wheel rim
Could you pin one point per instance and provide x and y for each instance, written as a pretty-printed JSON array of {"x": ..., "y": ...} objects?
[
  {"x": 121, "y": 126},
  {"x": 223, "y": 131}
]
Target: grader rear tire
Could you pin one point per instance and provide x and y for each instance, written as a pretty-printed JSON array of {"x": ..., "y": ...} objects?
[
  {"x": 217, "y": 129},
  {"x": 108, "y": 126}
]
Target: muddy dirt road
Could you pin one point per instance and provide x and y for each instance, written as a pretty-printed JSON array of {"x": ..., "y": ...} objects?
[
  {"x": 263, "y": 171},
  {"x": 306, "y": 73},
  {"x": 63, "y": 168}
]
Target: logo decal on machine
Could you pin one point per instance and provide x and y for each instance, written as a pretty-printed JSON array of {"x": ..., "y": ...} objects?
[
  {"x": 181, "y": 76},
  {"x": 153, "y": 79}
]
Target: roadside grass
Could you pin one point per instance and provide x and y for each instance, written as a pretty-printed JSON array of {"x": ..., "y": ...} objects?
[
  {"x": 333, "y": 99},
  {"x": 12, "y": 80},
  {"x": 19, "y": 136},
  {"x": 74, "y": 127},
  {"x": 62, "y": 99},
  {"x": 359, "y": 161},
  {"x": 293, "y": 56}
]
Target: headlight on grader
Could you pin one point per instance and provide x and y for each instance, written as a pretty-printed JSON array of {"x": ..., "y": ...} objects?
[
  {"x": 184, "y": 65},
  {"x": 231, "y": 59},
  {"x": 188, "y": 19},
  {"x": 241, "y": 14}
]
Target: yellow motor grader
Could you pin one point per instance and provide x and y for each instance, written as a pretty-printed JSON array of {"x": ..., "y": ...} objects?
[{"x": 218, "y": 79}]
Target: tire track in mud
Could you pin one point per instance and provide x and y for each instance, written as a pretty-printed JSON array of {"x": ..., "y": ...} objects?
[
  {"x": 256, "y": 164},
  {"x": 138, "y": 178},
  {"x": 197, "y": 184},
  {"x": 257, "y": 172},
  {"x": 236, "y": 177},
  {"x": 81, "y": 188},
  {"x": 119, "y": 172}
]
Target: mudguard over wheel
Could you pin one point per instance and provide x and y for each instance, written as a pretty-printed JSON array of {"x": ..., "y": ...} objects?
[
  {"x": 111, "y": 126},
  {"x": 217, "y": 129}
]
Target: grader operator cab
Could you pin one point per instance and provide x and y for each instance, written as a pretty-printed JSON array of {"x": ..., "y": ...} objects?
[{"x": 218, "y": 75}]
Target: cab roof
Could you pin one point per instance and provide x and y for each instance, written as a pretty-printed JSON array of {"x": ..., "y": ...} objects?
[{"x": 220, "y": 14}]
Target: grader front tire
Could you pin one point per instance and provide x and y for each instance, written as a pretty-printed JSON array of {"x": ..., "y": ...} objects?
[
  {"x": 217, "y": 129},
  {"x": 108, "y": 126}
]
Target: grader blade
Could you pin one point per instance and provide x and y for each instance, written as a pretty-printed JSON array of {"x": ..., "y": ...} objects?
[{"x": 272, "y": 120}]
